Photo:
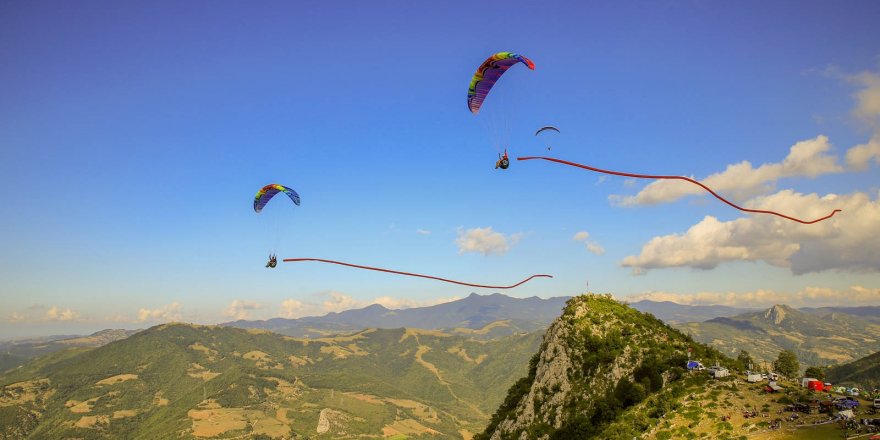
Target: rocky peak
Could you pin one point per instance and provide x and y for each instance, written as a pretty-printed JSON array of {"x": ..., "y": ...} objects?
[
  {"x": 776, "y": 314},
  {"x": 596, "y": 356}
]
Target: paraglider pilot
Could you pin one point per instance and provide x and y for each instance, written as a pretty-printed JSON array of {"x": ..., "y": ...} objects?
[
  {"x": 273, "y": 261},
  {"x": 503, "y": 162}
]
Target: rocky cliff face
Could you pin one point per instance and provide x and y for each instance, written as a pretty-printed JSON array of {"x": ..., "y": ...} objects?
[{"x": 597, "y": 359}]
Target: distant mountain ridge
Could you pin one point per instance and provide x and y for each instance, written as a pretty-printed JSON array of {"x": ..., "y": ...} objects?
[
  {"x": 17, "y": 352},
  {"x": 471, "y": 313},
  {"x": 673, "y": 313},
  {"x": 818, "y": 338}
]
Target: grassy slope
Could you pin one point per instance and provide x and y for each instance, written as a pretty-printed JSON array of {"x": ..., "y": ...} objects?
[{"x": 422, "y": 368}]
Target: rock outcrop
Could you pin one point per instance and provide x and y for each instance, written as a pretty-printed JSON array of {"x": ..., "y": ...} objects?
[{"x": 597, "y": 359}]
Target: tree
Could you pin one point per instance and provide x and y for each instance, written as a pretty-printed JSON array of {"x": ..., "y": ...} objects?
[
  {"x": 816, "y": 373},
  {"x": 787, "y": 364},
  {"x": 745, "y": 360}
]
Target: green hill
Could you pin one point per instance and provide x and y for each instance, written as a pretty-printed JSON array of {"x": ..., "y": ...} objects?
[
  {"x": 607, "y": 371},
  {"x": 186, "y": 381},
  {"x": 18, "y": 352},
  {"x": 863, "y": 373},
  {"x": 597, "y": 360},
  {"x": 817, "y": 339}
]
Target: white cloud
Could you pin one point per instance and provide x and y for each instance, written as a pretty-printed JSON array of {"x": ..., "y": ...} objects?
[
  {"x": 581, "y": 236},
  {"x": 485, "y": 241},
  {"x": 291, "y": 308},
  {"x": 55, "y": 313},
  {"x": 592, "y": 245},
  {"x": 807, "y": 297},
  {"x": 739, "y": 181},
  {"x": 16, "y": 317},
  {"x": 241, "y": 309},
  {"x": 859, "y": 157},
  {"x": 867, "y": 110},
  {"x": 868, "y": 98},
  {"x": 595, "y": 248},
  {"x": 338, "y": 302},
  {"x": 850, "y": 241},
  {"x": 168, "y": 313},
  {"x": 423, "y": 232}
]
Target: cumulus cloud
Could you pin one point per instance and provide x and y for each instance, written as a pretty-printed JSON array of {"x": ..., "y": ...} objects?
[
  {"x": 592, "y": 245},
  {"x": 338, "y": 302},
  {"x": 859, "y": 157},
  {"x": 16, "y": 317},
  {"x": 241, "y": 309},
  {"x": 867, "y": 110},
  {"x": 42, "y": 313},
  {"x": 868, "y": 98},
  {"x": 807, "y": 158},
  {"x": 807, "y": 297},
  {"x": 850, "y": 241},
  {"x": 292, "y": 308},
  {"x": 485, "y": 241},
  {"x": 56, "y": 313},
  {"x": 168, "y": 313}
]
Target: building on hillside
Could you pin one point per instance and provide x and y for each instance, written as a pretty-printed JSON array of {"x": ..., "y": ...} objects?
[
  {"x": 754, "y": 377},
  {"x": 720, "y": 372}
]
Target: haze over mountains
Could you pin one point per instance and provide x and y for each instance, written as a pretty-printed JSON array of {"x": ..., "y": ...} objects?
[
  {"x": 189, "y": 381},
  {"x": 473, "y": 312},
  {"x": 821, "y": 336},
  {"x": 674, "y": 313},
  {"x": 16, "y": 352},
  {"x": 824, "y": 337}
]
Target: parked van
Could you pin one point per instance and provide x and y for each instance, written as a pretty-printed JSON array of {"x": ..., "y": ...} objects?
[{"x": 876, "y": 403}]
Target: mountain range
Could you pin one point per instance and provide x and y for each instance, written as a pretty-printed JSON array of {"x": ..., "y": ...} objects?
[
  {"x": 674, "y": 313},
  {"x": 515, "y": 315},
  {"x": 819, "y": 338},
  {"x": 189, "y": 381},
  {"x": 17, "y": 352}
]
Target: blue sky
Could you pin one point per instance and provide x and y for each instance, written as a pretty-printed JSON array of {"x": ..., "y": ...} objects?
[{"x": 133, "y": 138}]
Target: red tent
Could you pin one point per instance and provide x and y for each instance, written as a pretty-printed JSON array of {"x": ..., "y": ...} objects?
[{"x": 816, "y": 385}]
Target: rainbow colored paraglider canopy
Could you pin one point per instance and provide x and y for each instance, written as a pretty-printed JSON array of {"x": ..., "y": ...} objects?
[
  {"x": 488, "y": 74},
  {"x": 267, "y": 192}
]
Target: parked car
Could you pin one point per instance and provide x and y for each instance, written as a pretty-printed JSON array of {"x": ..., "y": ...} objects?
[{"x": 843, "y": 403}]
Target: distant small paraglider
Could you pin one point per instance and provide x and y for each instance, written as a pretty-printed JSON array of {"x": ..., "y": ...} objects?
[{"x": 546, "y": 128}]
